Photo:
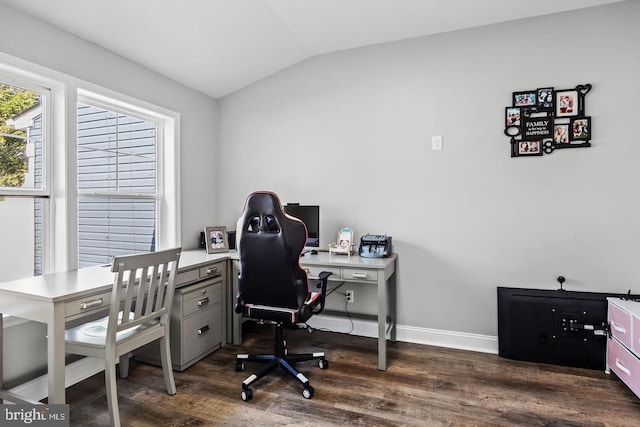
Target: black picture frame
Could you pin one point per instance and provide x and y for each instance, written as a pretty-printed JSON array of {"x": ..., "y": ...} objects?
[
  {"x": 545, "y": 98},
  {"x": 529, "y": 148},
  {"x": 527, "y": 98},
  {"x": 567, "y": 103},
  {"x": 580, "y": 129}
]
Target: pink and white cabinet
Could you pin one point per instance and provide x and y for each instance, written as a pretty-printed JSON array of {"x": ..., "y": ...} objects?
[{"x": 623, "y": 347}]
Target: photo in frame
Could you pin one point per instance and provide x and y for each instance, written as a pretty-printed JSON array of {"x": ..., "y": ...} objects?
[
  {"x": 216, "y": 239},
  {"x": 525, "y": 99},
  {"x": 529, "y": 148},
  {"x": 545, "y": 98},
  {"x": 512, "y": 115},
  {"x": 567, "y": 103},
  {"x": 561, "y": 133},
  {"x": 580, "y": 129}
]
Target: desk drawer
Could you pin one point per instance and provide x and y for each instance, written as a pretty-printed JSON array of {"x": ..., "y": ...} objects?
[
  {"x": 201, "y": 332},
  {"x": 201, "y": 298},
  {"x": 210, "y": 271},
  {"x": 336, "y": 273},
  {"x": 187, "y": 276},
  {"x": 620, "y": 324},
  {"x": 88, "y": 304},
  {"x": 360, "y": 274}
]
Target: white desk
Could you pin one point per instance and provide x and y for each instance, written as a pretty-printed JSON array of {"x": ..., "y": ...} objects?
[
  {"x": 56, "y": 298},
  {"x": 343, "y": 268}
]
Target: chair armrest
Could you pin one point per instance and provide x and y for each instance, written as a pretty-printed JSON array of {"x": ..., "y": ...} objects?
[{"x": 321, "y": 284}]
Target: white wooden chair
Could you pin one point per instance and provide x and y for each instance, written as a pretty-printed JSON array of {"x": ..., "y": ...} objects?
[{"x": 141, "y": 300}]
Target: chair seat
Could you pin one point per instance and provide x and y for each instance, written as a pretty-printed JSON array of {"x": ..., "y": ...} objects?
[
  {"x": 279, "y": 314},
  {"x": 94, "y": 334}
]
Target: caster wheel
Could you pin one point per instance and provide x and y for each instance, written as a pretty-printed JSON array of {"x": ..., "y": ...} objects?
[
  {"x": 239, "y": 366},
  {"x": 246, "y": 394},
  {"x": 307, "y": 392},
  {"x": 323, "y": 364}
]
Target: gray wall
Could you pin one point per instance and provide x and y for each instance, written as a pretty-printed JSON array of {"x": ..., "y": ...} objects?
[{"x": 352, "y": 131}]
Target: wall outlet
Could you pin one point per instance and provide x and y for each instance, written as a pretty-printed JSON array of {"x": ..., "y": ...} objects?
[{"x": 349, "y": 296}]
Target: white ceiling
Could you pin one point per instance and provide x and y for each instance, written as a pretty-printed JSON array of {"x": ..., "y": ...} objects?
[{"x": 219, "y": 46}]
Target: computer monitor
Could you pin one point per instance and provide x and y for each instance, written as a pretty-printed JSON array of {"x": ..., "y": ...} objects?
[{"x": 310, "y": 215}]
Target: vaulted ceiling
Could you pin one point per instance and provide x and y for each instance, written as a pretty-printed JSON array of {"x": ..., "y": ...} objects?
[{"x": 219, "y": 46}]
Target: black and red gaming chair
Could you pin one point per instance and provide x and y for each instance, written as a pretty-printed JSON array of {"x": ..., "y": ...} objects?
[{"x": 272, "y": 286}]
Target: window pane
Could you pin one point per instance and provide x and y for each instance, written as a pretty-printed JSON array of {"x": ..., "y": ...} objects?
[
  {"x": 116, "y": 156},
  {"x": 116, "y": 153},
  {"x": 111, "y": 227},
  {"x": 21, "y": 138},
  {"x": 21, "y": 225}
]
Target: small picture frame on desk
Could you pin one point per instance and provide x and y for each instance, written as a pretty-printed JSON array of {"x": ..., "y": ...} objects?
[{"x": 216, "y": 239}]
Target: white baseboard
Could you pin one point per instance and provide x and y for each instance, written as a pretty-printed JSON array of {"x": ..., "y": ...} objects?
[{"x": 436, "y": 337}]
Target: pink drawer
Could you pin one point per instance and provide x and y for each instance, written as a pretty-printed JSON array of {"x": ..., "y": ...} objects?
[
  {"x": 620, "y": 324},
  {"x": 624, "y": 364},
  {"x": 635, "y": 346}
]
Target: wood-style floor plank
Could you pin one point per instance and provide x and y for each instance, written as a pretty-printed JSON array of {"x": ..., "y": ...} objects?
[{"x": 423, "y": 386}]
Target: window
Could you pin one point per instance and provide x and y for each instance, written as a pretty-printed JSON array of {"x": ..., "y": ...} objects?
[
  {"x": 118, "y": 191},
  {"x": 86, "y": 173},
  {"x": 23, "y": 180}
]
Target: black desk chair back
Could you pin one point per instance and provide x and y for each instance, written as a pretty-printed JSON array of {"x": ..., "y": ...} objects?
[{"x": 272, "y": 286}]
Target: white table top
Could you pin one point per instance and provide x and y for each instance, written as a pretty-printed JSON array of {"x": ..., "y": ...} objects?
[{"x": 64, "y": 285}]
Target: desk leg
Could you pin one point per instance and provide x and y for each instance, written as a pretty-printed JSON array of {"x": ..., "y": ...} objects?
[
  {"x": 236, "y": 319},
  {"x": 391, "y": 292},
  {"x": 55, "y": 355},
  {"x": 382, "y": 323}
]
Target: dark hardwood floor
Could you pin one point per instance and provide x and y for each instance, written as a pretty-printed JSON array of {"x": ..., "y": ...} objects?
[{"x": 423, "y": 386}]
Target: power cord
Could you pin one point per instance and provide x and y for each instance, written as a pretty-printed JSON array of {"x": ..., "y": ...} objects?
[{"x": 311, "y": 329}]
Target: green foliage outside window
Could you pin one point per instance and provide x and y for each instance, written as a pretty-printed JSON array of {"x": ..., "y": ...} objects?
[{"x": 13, "y": 156}]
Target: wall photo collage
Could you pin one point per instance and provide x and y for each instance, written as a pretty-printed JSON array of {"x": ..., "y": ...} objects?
[{"x": 545, "y": 119}]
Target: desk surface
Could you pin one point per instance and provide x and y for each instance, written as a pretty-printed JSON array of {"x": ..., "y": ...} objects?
[{"x": 64, "y": 285}]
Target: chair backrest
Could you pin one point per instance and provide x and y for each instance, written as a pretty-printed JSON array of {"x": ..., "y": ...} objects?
[
  {"x": 143, "y": 289},
  {"x": 269, "y": 244}
]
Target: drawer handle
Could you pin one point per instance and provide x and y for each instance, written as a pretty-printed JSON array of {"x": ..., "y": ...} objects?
[
  {"x": 359, "y": 275},
  {"x": 622, "y": 368},
  {"x": 90, "y": 304},
  {"x": 204, "y": 329},
  {"x": 203, "y": 301},
  {"x": 618, "y": 328},
  {"x": 212, "y": 270}
]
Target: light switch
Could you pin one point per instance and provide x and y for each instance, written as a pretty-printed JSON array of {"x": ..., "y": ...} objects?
[{"x": 436, "y": 142}]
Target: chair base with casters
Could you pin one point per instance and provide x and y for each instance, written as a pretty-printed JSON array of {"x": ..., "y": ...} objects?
[{"x": 281, "y": 358}]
